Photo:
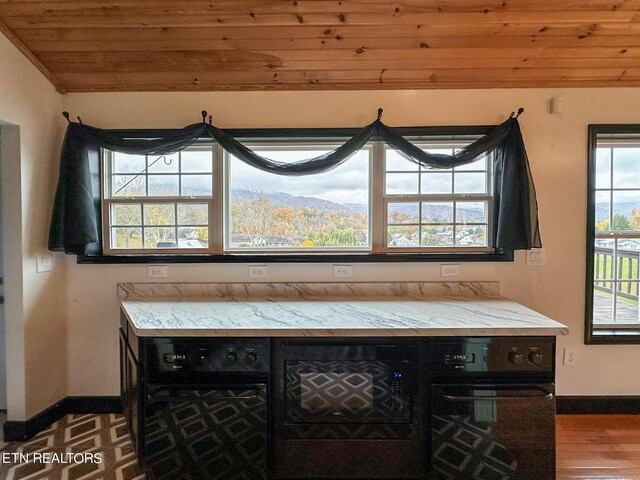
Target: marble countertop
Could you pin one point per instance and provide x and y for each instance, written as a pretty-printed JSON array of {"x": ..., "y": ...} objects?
[{"x": 288, "y": 310}]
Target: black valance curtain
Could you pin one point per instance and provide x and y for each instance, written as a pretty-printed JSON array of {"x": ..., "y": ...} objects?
[{"x": 75, "y": 220}]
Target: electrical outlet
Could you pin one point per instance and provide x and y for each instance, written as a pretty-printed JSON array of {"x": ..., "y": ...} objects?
[
  {"x": 570, "y": 357},
  {"x": 258, "y": 271},
  {"x": 452, "y": 270},
  {"x": 342, "y": 271},
  {"x": 536, "y": 257},
  {"x": 157, "y": 271}
]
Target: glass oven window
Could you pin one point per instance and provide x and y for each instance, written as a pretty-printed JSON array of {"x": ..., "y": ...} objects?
[{"x": 347, "y": 392}]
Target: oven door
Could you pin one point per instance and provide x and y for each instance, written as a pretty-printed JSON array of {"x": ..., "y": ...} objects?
[
  {"x": 205, "y": 432},
  {"x": 505, "y": 432},
  {"x": 347, "y": 410}
]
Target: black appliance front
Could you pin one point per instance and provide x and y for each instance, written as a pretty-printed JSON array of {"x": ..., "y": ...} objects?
[
  {"x": 492, "y": 413},
  {"x": 347, "y": 409},
  {"x": 205, "y": 409}
]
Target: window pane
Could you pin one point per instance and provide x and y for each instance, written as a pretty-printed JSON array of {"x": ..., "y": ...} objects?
[
  {"x": 159, "y": 214},
  {"x": 126, "y": 214},
  {"x": 471, "y": 236},
  {"x": 603, "y": 259},
  {"x": 126, "y": 237},
  {"x": 603, "y": 205},
  {"x": 603, "y": 168},
  {"x": 437, "y": 236},
  {"x": 401, "y": 183},
  {"x": 123, "y": 163},
  {"x": 196, "y": 185},
  {"x": 470, "y": 183},
  {"x": 437, "y": 212},
  {"x": 626, "y": 210},
  {"x": 436, "y": 182},
  {"x": 163, "y": 163},
  {"x": 196, "y": 161},
  {"x": 193, "y": 237},
  {"x": 160, "y": 237},
  {"x": 626, "y": 303},
  {"x": 602, "y": 303},
  {"x": 404, "y": 212},
  {"x": 394, "y": 161},
  {"x": 328, "y": 210},
  {"x": 163, "y": 185},
  {"x": 471, "y": 212},
  {"x": 480, "y": 164},
  {"x": 193, "y": 214},
  {"x": 405, "y": 236},
  {"x": 626, "y": 167},
  {"x": 128, "y": 185},
  {"x": 627, "y": 255}
]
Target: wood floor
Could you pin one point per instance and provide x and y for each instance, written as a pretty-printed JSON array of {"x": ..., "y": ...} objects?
[{"x": 598, "y": 447}]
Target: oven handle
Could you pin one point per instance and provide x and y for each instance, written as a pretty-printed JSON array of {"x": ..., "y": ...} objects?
[
  {"x": 544, "y": 395},
  {"x": 255, "y": 390}
]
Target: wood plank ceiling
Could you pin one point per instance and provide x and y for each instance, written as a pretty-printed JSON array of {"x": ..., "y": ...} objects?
[{"x": 145, "y": 45}]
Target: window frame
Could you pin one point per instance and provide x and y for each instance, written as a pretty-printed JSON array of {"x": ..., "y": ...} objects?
[
  {"x": 601, "y": 335},
  {"x": 335, "y": 135}
]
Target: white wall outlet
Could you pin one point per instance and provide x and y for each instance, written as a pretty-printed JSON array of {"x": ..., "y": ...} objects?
[
  {"x": 157, "y": 271},
  {"x": 342, "y": 271},
  {"x": 44, "y": 263},
  {"x": 570, "y": 357},
  {"x": 536, "y": 257},
  {"x": 258, "y": 271},
  {"x": 452, "y": 270}
]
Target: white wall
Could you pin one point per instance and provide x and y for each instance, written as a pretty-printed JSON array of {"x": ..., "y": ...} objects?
[
  {"x": 36, "y": 336},
  {"x": 557, "y": 150}
]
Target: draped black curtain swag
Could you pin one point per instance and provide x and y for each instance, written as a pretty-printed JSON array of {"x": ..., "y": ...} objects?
[{"x": 75, "y": 219}]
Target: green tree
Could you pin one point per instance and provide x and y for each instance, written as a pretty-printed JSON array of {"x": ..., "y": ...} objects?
[{"x": 620, "y": 222}]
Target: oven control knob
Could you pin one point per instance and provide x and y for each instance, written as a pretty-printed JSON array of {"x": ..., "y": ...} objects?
[
  {"x": 250, "y": 358},
  {"x": 231, "y": 358},
  {"x": 535, "y": 357},
  {"x": 515, "y": 358}
]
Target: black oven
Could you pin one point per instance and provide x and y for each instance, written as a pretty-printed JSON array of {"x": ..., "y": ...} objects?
[
  {"x": 205, "y": 414},
  {"x": 492, "y": 412},
  {"x": 347, "y": 408}
]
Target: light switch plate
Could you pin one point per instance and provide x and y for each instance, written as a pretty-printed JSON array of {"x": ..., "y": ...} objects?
[
  {"x": 44, "y": 263},
  {"x": 536, "y": 257}
]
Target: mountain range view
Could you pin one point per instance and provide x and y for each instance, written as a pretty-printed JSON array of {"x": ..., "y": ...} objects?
[{"x": 285, "y": 200}]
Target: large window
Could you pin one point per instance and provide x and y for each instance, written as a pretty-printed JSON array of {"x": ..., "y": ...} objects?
[
  {"x": 205, "y": 201},
  {"x": 614, "y": 234}
]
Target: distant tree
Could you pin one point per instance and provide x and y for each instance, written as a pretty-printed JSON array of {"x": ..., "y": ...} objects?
[
  {"x": 620, "y": 222},
  {"x": 253, "y": 217},
  {"x": 635, "y": 218},
  {"x": 602, "y": 226}
]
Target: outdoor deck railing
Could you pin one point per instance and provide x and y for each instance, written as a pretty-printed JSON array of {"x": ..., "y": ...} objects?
[{"x": 627, "y": 272}]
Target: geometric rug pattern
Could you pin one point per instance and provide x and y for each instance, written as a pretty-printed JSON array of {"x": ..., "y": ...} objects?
[{"x": 76, "y": 447}]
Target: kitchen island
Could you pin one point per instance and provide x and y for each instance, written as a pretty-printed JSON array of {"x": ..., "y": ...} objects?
[{"x": 338, "y": 380}]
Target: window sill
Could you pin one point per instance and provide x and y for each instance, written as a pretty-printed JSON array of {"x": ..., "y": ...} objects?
[
  {"x": 506, "y": 256},
  {"x": 616, "y": 336}
]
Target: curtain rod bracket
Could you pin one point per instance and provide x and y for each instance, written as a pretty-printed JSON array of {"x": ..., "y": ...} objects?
[
  {"x": 379, "y": 114},
  {"x": 514, "y": 115},
  {"x": 79, "y": 119},
  {"x": 210, "y": 119},
  {"x": 204, "y": 116},
  {"x": 66, "y": 115}
]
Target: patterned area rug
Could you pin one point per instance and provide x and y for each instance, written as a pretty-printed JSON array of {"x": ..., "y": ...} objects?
[{"x": 76, "y": 447}]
